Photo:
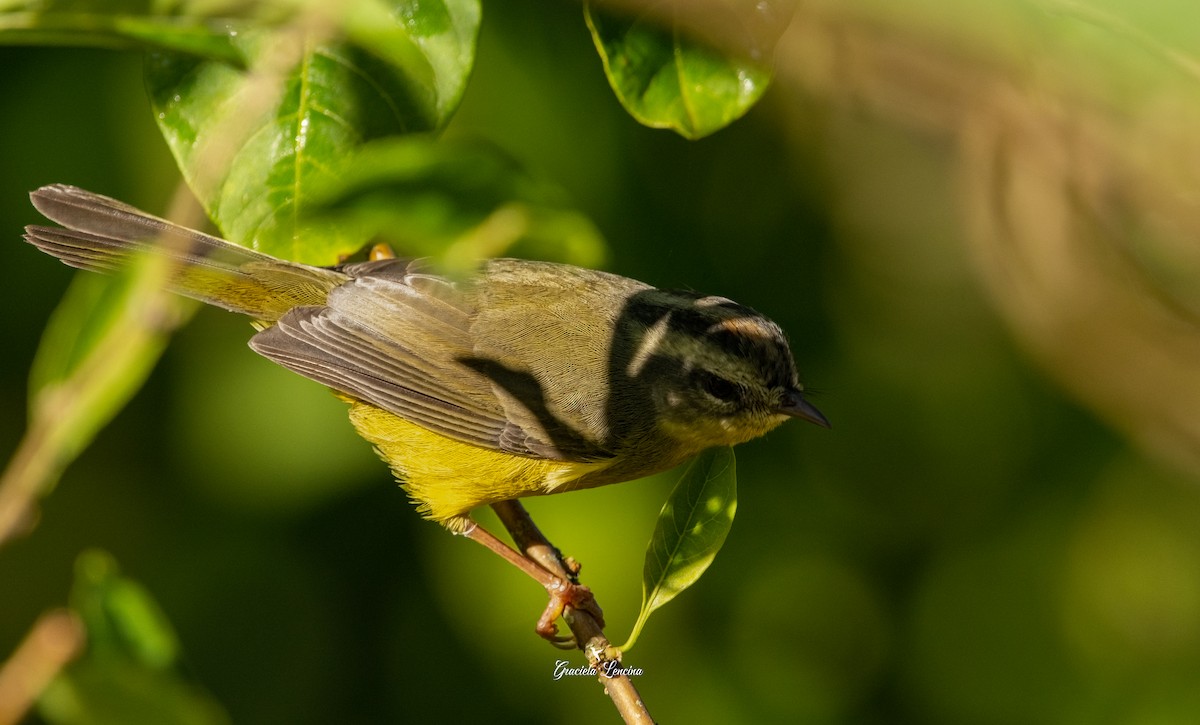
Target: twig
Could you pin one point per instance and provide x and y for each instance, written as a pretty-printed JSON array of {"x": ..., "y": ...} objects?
[
  {"x": 55, "y": 639},
  {"x": 589, "y": 636}
]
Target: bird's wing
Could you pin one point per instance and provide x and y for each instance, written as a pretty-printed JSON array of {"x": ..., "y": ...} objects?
[{"x": 400, "y": 338}]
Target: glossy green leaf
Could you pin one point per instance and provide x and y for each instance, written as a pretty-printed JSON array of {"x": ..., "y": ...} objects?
[
  {"x": 665, "y": 78},
  {"x": 253, "y": 150},
  {"x": 691, "y": 529},
  {"x": 127, "y": 673},
  {"x": 457, "y": 200},
  {"x": 113, "y": 24},
  {"x": 434, "y": 43}
]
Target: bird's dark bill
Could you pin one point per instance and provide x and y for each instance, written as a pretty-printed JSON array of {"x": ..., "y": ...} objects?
[{"x": 796, "y": 406}]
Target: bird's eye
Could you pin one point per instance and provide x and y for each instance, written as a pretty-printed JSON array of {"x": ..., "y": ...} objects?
[{"x": 720, "y": 388}]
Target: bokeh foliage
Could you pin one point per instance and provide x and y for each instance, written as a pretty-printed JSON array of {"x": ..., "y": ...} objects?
[{"x": 989, "y": 534}]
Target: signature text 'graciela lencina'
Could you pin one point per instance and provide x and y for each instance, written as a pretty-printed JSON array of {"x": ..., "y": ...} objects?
[{"x": 610, "y": 669}]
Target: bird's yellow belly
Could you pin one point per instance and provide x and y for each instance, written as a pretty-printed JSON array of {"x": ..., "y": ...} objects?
[{"x": 447, "y": 478}]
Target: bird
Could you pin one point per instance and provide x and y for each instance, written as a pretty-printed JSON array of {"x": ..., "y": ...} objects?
[{"x": 522, "y": 378}]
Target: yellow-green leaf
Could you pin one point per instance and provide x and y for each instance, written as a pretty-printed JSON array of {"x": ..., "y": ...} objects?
[
  {"x": 96, "y": 352},
  {"x": 691, "y": 529}
]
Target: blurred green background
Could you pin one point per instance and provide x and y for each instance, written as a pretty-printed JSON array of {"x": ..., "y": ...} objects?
[{"x": 1001, "y": 527}]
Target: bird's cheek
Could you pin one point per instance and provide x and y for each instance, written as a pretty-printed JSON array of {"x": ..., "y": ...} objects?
[{"x": 698, "y": 432}]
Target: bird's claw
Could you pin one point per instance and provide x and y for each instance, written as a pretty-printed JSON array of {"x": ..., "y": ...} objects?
[{"x": 563, "y": 595}]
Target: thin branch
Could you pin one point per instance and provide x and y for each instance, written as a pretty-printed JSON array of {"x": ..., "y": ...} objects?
[
  {"x": 589, "y": 635},
  {"x": 56, "y": 638}
]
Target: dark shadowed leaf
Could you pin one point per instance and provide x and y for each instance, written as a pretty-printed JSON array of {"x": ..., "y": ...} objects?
[{"x": 691, "y": 529}]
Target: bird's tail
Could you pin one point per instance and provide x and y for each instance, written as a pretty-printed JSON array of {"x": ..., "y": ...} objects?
[{"x": 105, "y": 235}]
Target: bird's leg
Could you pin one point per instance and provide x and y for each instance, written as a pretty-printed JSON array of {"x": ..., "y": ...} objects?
[
  {"x": 534, "y": 544},
  {"x": 560, "y": 591},
  {"x": 548, "y": 570}
]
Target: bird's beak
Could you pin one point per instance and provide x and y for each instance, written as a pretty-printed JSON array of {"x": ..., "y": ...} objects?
[{"x": 796, "y": 406}]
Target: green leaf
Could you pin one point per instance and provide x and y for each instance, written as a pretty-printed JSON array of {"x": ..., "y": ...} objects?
[
  {"x": 98, "y": 348},
  {"x": 119, "y": 615},
  {"x": 665, "y": 78},
  {"x": 457, "y": 200},
  {"x": 95, "y": 353},
  {"x": 128, "y": 671},
  {"x": 434, "y": 43},
  {"x": 691, "y": 529},
  {"x": 113, "y": 25},
  {"x": 254, "y": 144}
]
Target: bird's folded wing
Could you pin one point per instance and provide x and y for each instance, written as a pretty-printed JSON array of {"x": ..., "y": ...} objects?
[{"x": 400, "y": 339}]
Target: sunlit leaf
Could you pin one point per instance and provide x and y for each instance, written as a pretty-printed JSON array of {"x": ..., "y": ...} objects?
[
  {"x": 128, "y": 671},
  {"x": 254, "y": 144},
  {"x": 433, "y": 42},
  {"x": 458, "y": 200},
  {"x": 691, "y": 529},
  {"x": 665, "y": 78}
]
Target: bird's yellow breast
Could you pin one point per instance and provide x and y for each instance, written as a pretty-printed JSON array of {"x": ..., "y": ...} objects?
[{"x": 448, "y": 478}]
